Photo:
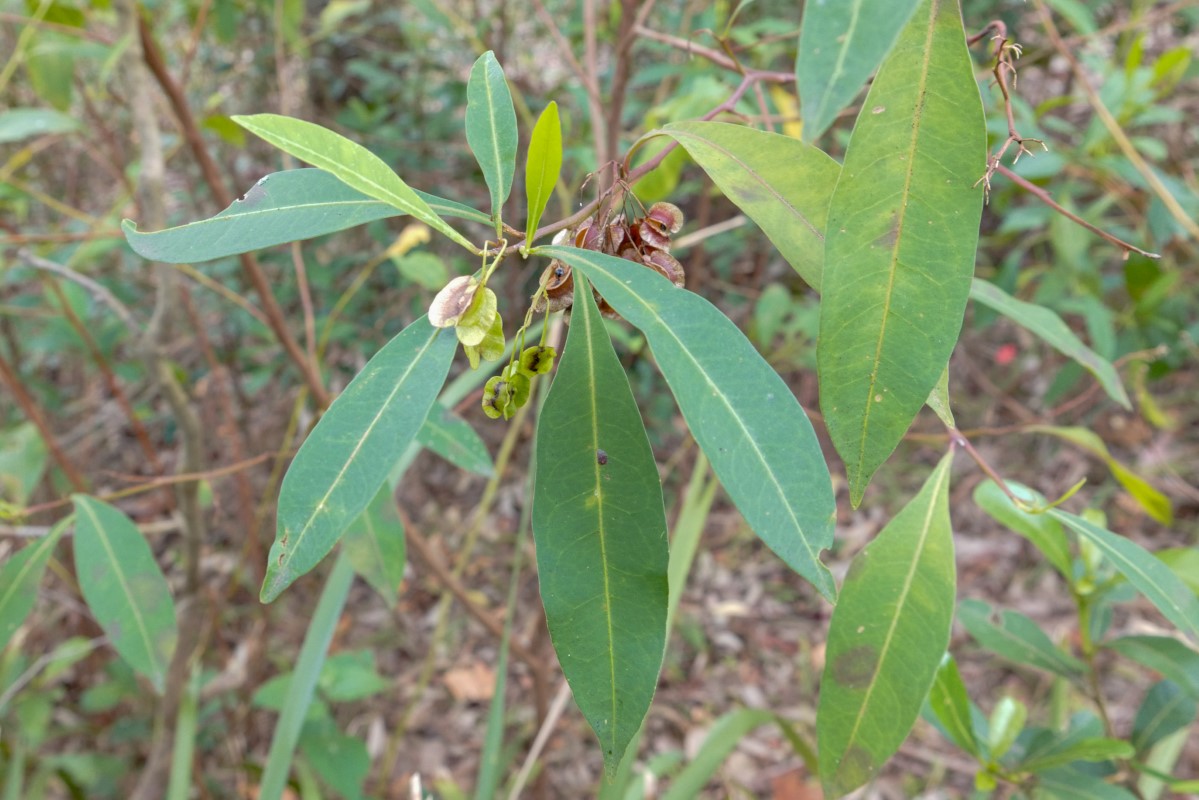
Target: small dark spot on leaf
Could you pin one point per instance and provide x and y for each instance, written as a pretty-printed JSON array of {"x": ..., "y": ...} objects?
[
  {"x": 856, "y": 666},
  {"x": 601, "y": 457}
]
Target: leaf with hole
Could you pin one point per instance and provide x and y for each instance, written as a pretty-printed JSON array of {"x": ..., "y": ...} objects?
[
  {"x": 600, "y": 530},
  {"x": 349, "y": 161}
]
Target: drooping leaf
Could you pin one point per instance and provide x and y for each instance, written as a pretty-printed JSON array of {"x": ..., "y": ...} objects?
[
  {"x": 1164, "y": 710},
  {"x": 1048, "y": 326},
  {"x": 1170, "y": 657},
  {"x": 1153, "y": 501},
  {"x": 374, "y": 543},
  {"x": 542, "y": 166},
  {"x": 20, "y": 577},
  {"x": 451, "y": 437},
  {"x": 840, "y": 45},
  {"x": 349, "y": 161},
  {"x": 124, "y": 587},
  {"x": 491, "y": 129},
  {"x": 1017, "y": 639},
  {"x": 301, "y": 685},
  {"x": 1044, "y": 532},
  {"x": 1099, "y": 748},
  {"x": 343, "y": 462},
  {"x": 1149, "y": 576},
  {"x": 951, "y": 705},
  {"x": 780, "y": 183},
  {"x": 25, "y": 123},
  {"x": 600, "y": 529},
  {"x": 282, "y": 207},
  {"x": 748, "y": 423},
  {"x": 886, "y": 638},
  {"x": 899, "y": 250}
]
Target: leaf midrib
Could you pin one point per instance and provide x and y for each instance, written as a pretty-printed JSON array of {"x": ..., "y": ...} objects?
[
  {"x": 719, "y": 393},
  {"x": 910, "y": 160},
  {"x": 142, "y": 630},
  {"x": 316, "y": 510},
  {"x": 926, "y": 527}
]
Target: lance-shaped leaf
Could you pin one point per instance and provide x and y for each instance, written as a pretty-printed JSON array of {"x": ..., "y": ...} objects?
[
  {"x": 451, "y": 437},
  {"x": 349, "y": 161},
  {"x": 1044, "y": 532},
  {"x": 899, "y": 249},
  {"x": 950, "y": 704},
  {"x": 749, "y": 424},
  {"x": 1048, "y": 326},
  {"x": 1152, "y": 500},
  {"x": 1018, "y": 639},
  {"x": 600, "y": 529},
  {"x": 1149, "y": 576},
  {"x": 1170, "y": 657},
  {"x": 542, "y": 166},
  {"x": 491, "y": 129},
  {"x": 346, "y": 458},
  {"x": 282, "y": 207},
  {"x": 124, "y": 587},
  {"x": 886, "y": 638},
  {"x": 840, "y": 46},
  {"x": 780, "y": 183},
  {"x": 20, "y": 577}
]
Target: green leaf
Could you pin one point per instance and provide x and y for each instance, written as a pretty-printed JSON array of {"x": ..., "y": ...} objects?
[
  {"x": 341, "y": 760},
  {"x": 748, "y": 423},
  {"x": 726, "y": 733},
  {"x": 282, "y": 207},
  {"x": 1183, "y": 562},
  {"x": 124, "y": 587},
  {"x": 542, "y": 166},
  {"x": 1017, "y": 639},
  {"x": 349, "y": 161},
  {"x": 938, "y": 399},
  {"x": 451, "y": 437},
  {"x": 491, "y": 130},
  {"x": 1170, "y": 657},
  {"x": 25, "y": 123},
  {"x": 1044, "y": 532},
  {"x": 1165, "y": 709},
  {"x": 1151, "y": 577},
  {"x": 1072, "y": 784},
  {"x": 346, "y": 458},
  {"x": 902, "y": 233},
  {"x": 600, "y": 529},
  {"x": 23, "y": 457},
  {"x": 951, "y": 705},
  {"x": 1050, "y": 328},
  {"x": 886, "y": 638},
  {"x": 375, "y": 545},
  {"x": 302, "y": 684},
  {"x": 20, "y": 578},
  {"x": 1004, "y": 726},
  {"x": 840, "y": 46},
  {"x": 780, "y": 183},
  {"x": 1095, "y": 749},
  {"x": 1154, "y": 502}
]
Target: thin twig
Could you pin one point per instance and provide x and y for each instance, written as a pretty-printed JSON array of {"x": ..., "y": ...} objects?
[
  {"x": 1045, "y": 198},
  {"x": 33, "y": 413},
  {"x": 99, "y": 292},
  {"x": 1113, "y": 127}
]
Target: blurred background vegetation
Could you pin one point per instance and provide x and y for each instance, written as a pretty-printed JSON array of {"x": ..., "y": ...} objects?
[{"x": 405, "y": 689}]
